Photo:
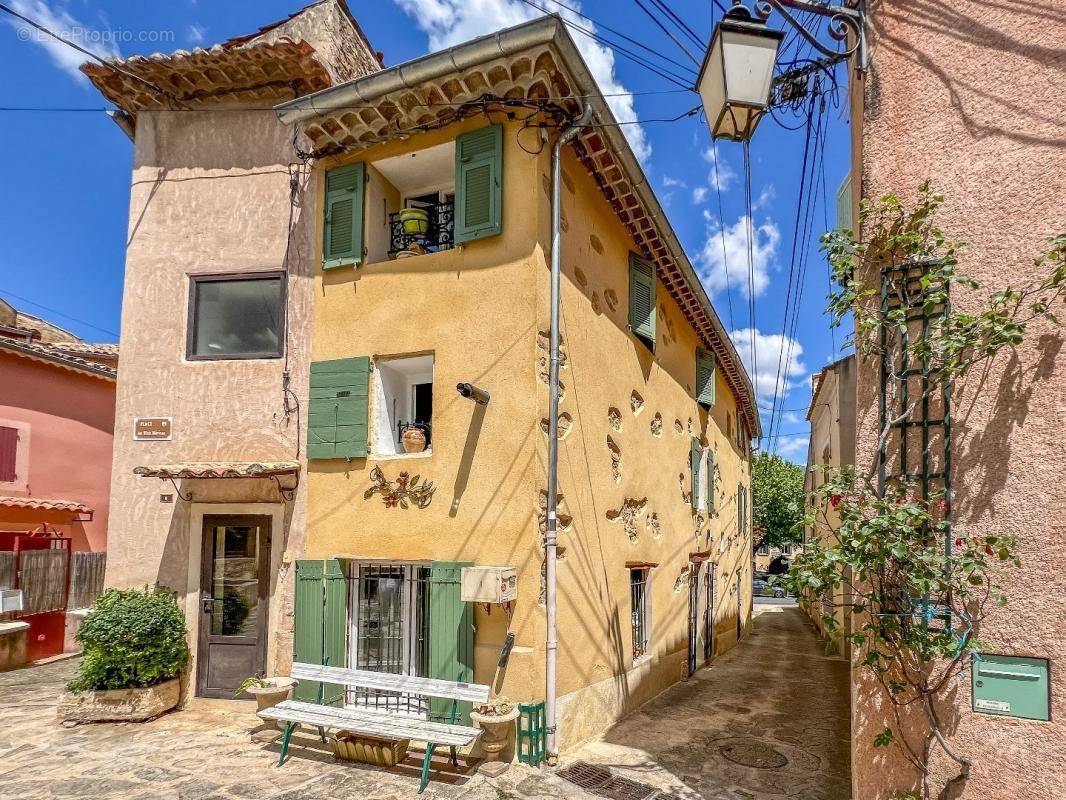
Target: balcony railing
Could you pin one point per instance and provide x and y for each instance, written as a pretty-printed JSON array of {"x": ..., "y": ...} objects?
[{"x": 438, "y": 235}]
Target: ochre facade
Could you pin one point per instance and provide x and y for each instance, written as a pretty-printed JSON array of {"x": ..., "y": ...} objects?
[{"x": 628, "y": 415}]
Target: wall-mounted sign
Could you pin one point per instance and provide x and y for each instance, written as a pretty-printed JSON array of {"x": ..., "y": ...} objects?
[{"x": 151, "y": 429}]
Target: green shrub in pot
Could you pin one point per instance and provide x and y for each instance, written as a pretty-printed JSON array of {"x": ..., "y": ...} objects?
[{"x": 132, "y": 638}]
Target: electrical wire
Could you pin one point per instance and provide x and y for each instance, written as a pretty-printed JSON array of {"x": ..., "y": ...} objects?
[
  {"x": 751, "y": 260},
  {"x": 721, "y": 224},
  {"x": 665, "y": 30},
  {"x": 35, "y": 304},
  {"x": 682, "y": 25},
  {"x": 683, "y": 81}
]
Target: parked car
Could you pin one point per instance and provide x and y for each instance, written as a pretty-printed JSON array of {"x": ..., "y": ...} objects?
[{"x": 762, "y": 588}]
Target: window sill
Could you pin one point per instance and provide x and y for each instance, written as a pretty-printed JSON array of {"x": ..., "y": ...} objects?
[
  {"x": 398, "y": 456},
  {"x": 640, "y": 661},
  {"x": 338, "y": 263}
]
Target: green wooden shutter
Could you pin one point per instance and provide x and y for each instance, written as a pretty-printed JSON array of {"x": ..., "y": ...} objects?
[
  {"x": 451, "y": 636},
  {"x": 343, "y": 229},
  {"x": 705, "y": 378},
  {"x": 335, "y": 627},
  {"x": 307, "y": 624},
  {"x": 479, "y": 184},
  {"x": 338, "y": 408},
  {"x": 710, "y": 481},
  {"x": 642, "y": 298},
  {"x": 695, "y": 453}
]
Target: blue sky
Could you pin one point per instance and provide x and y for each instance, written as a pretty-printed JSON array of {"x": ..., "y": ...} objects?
[{"x": 63, "y": 211}]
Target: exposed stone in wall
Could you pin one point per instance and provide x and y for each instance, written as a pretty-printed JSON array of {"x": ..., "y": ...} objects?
[
  {"x": 636, "y": 402},
  {"x": 683, "y": 578},
  {"x": 546, "y": 185},
  {"x": 614, "y": 418},
  {"x": 568, "y": 182},
  {"x": 686, "y": 492},
  {"x": 616, "y": 460},
  {"x": 631, "y": 510},
  {"x": 679, "y": 429},
  {"x": 653, "y": 526},
  {"x": 596, "y": 302},
  {"x": 543, "y": 365},
  {"x": 610, "y": 296},
  {"x": 580, "y": 277},
  {"x": 563, "y": 521},
  {"x": 565, "y": 424},
  {"x": 597, "y": 245},
  {"x": 657, "y": 424}
]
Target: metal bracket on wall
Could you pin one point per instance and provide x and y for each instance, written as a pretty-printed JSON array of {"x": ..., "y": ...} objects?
[
  {"x": 187, "y": 496},
  {"x": 287, "y": 493}
]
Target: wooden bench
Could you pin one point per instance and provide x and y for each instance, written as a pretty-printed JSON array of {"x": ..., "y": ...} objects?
[{"x": 375, "y": 722}]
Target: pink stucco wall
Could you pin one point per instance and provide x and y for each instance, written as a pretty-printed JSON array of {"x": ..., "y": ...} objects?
[
  {"x": 71, "y": 419},
  {"x": 970, "y": 95}
]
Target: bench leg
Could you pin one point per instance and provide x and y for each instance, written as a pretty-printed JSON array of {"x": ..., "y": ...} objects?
[
  {"x": 425, "y": 767},
  {"x": 455, "y": 761},
  {"x": 322, "y": 732},
  {"x": 289, "y": 726}
]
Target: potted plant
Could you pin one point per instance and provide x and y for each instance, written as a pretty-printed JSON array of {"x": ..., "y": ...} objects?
[
  {"x": 415, "y": 221},
  {"x": 496, "y": 718},
  {"x": 134, "y": 642},
  {"x": 268, "y": 692}
]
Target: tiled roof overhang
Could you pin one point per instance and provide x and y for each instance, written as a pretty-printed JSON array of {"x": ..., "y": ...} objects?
[
  {"x": 35, "y": 504},
  {"x": 535, "y": 60},
  {"x": 266, "y": 72},
  {"x": 219, "y": 469},
  {"x": 49, "y": 355}
]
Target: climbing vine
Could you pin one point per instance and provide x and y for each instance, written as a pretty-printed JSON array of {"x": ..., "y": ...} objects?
[{"x": 886, "y": 550}]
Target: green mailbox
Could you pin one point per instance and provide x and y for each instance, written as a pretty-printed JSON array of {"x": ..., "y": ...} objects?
[{"x": 1011, "y": 686}]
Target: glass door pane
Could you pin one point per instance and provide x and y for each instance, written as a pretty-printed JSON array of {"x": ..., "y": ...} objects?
[{"x": 235, "y": 580}]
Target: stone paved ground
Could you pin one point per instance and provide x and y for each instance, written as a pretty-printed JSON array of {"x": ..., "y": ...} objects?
[{"x": 774, "y": 689}]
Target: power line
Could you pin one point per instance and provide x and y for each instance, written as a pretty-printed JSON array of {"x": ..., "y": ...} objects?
[
  {"x": 751, "y": 260},
  {"x": 664, "y": 29},
  {"x": 80, "y": 49},
  {"x": 680, "y": 80},
  {"x": 59, "y": 313},
  {"x": 721, "y": 223},
  {"x": 681, "y": 24}
]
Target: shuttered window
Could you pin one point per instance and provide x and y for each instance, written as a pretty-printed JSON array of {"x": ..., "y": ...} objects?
[
  {"x": 705, "y": 378},
  {"x": 451, "y": 637},
  {"x": 710, "y": 481},
  {"x": 642, "y": 298},
  {"x": 343, "y": 229},
  {"x": 479, "y": 184},
  {"x": 320, "y": 625},
  {"x": 337, "y": 414},
  {"x": 9, "y": 443}
]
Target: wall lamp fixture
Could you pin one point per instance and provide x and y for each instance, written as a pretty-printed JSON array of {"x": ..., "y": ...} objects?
[{"x": 471, "y": 392}]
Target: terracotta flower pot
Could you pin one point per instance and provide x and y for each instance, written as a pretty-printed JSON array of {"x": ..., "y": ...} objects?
[{"x": 414, "y": 440}]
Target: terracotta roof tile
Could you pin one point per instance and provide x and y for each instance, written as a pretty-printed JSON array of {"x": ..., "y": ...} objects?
[
  {"x": 37, "y": 504},
  {"x": 219, "y": 469},
  {"x": 53, "y": 355}
]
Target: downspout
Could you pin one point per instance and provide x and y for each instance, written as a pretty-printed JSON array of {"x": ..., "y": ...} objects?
[{"x": 551, "y": 536}]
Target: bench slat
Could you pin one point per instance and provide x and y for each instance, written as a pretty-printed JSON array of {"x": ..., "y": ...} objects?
[
  {"x": 374, "y": 723},
  {"x": 385, "y": 681}
]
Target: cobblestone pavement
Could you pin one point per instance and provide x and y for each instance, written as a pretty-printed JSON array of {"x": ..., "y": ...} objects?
[{"x": 774, "y": 689}]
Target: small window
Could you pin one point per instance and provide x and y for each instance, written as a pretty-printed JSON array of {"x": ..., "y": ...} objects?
[
  {"x": 403, "y": 404},
  {"x": 236, "y": 317},
  {"x": 764, "y": 550},
  {"x": 638, "y": 592},
  {"x": 9, "y": 445}
]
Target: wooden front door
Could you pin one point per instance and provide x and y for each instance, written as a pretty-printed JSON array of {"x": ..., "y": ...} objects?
[
  {"x": 693, "y": 614},
  {"x": 234, "y": 587}
]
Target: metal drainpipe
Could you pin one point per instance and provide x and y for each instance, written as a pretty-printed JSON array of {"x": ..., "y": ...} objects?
[{"x": 551, "y": 537}]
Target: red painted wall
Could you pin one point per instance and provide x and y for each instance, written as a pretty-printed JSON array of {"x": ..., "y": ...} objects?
[{"x": 72, "y": 422}]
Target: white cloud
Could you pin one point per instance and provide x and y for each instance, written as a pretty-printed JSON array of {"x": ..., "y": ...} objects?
[
  {"x": 449, "y": 22},
  {"x": 60, "y": 21},
  {"x": 713, "y": 258},
  {"x": 766, "y": 196},
  {"x": 699, "y": 194},
  {"x": 791, "y": 418},
  {"x": 669, "y": 182},
  {"x": 793, "y": 447},
  {"x": 195, "y": 33},
  {"x": 771, "y": 349},
  {"x": 726, "y": 174}
]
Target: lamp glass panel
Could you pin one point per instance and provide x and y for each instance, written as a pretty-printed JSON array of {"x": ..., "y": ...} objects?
[
  {"x": 749, "y": 66},
  {"x": 712, "y": 83}
]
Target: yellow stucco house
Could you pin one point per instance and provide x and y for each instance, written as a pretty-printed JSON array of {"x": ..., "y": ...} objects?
[{"x": 427, "y": 419}]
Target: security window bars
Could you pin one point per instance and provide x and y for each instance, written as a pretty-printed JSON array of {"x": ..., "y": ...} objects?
[
  {"x": 389, "y": 622},
  {"x": 236, "y": 316},
  {"x": 638, "y": 585}
]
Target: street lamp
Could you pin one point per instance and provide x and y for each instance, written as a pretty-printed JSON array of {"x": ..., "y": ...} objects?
[{"x": 737, "y": 73}]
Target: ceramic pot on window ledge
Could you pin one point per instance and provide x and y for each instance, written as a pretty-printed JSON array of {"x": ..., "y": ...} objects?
[{"x": 413, "y": 439}]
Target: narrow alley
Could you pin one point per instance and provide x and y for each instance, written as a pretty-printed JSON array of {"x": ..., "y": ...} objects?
[{"x": 767, "y": 720}]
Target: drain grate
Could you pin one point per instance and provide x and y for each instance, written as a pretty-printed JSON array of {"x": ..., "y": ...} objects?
[
  {"x": 752, "y": 753},
  {"x": 599, "y": 781}
]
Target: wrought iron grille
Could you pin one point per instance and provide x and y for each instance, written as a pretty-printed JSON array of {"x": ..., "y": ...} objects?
[
  {"x": 915, "y": 401},
  {"x": 390, "y": 607},
  {"x": 438, "y": 236},
  {"x": 638, "y": 584}
]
